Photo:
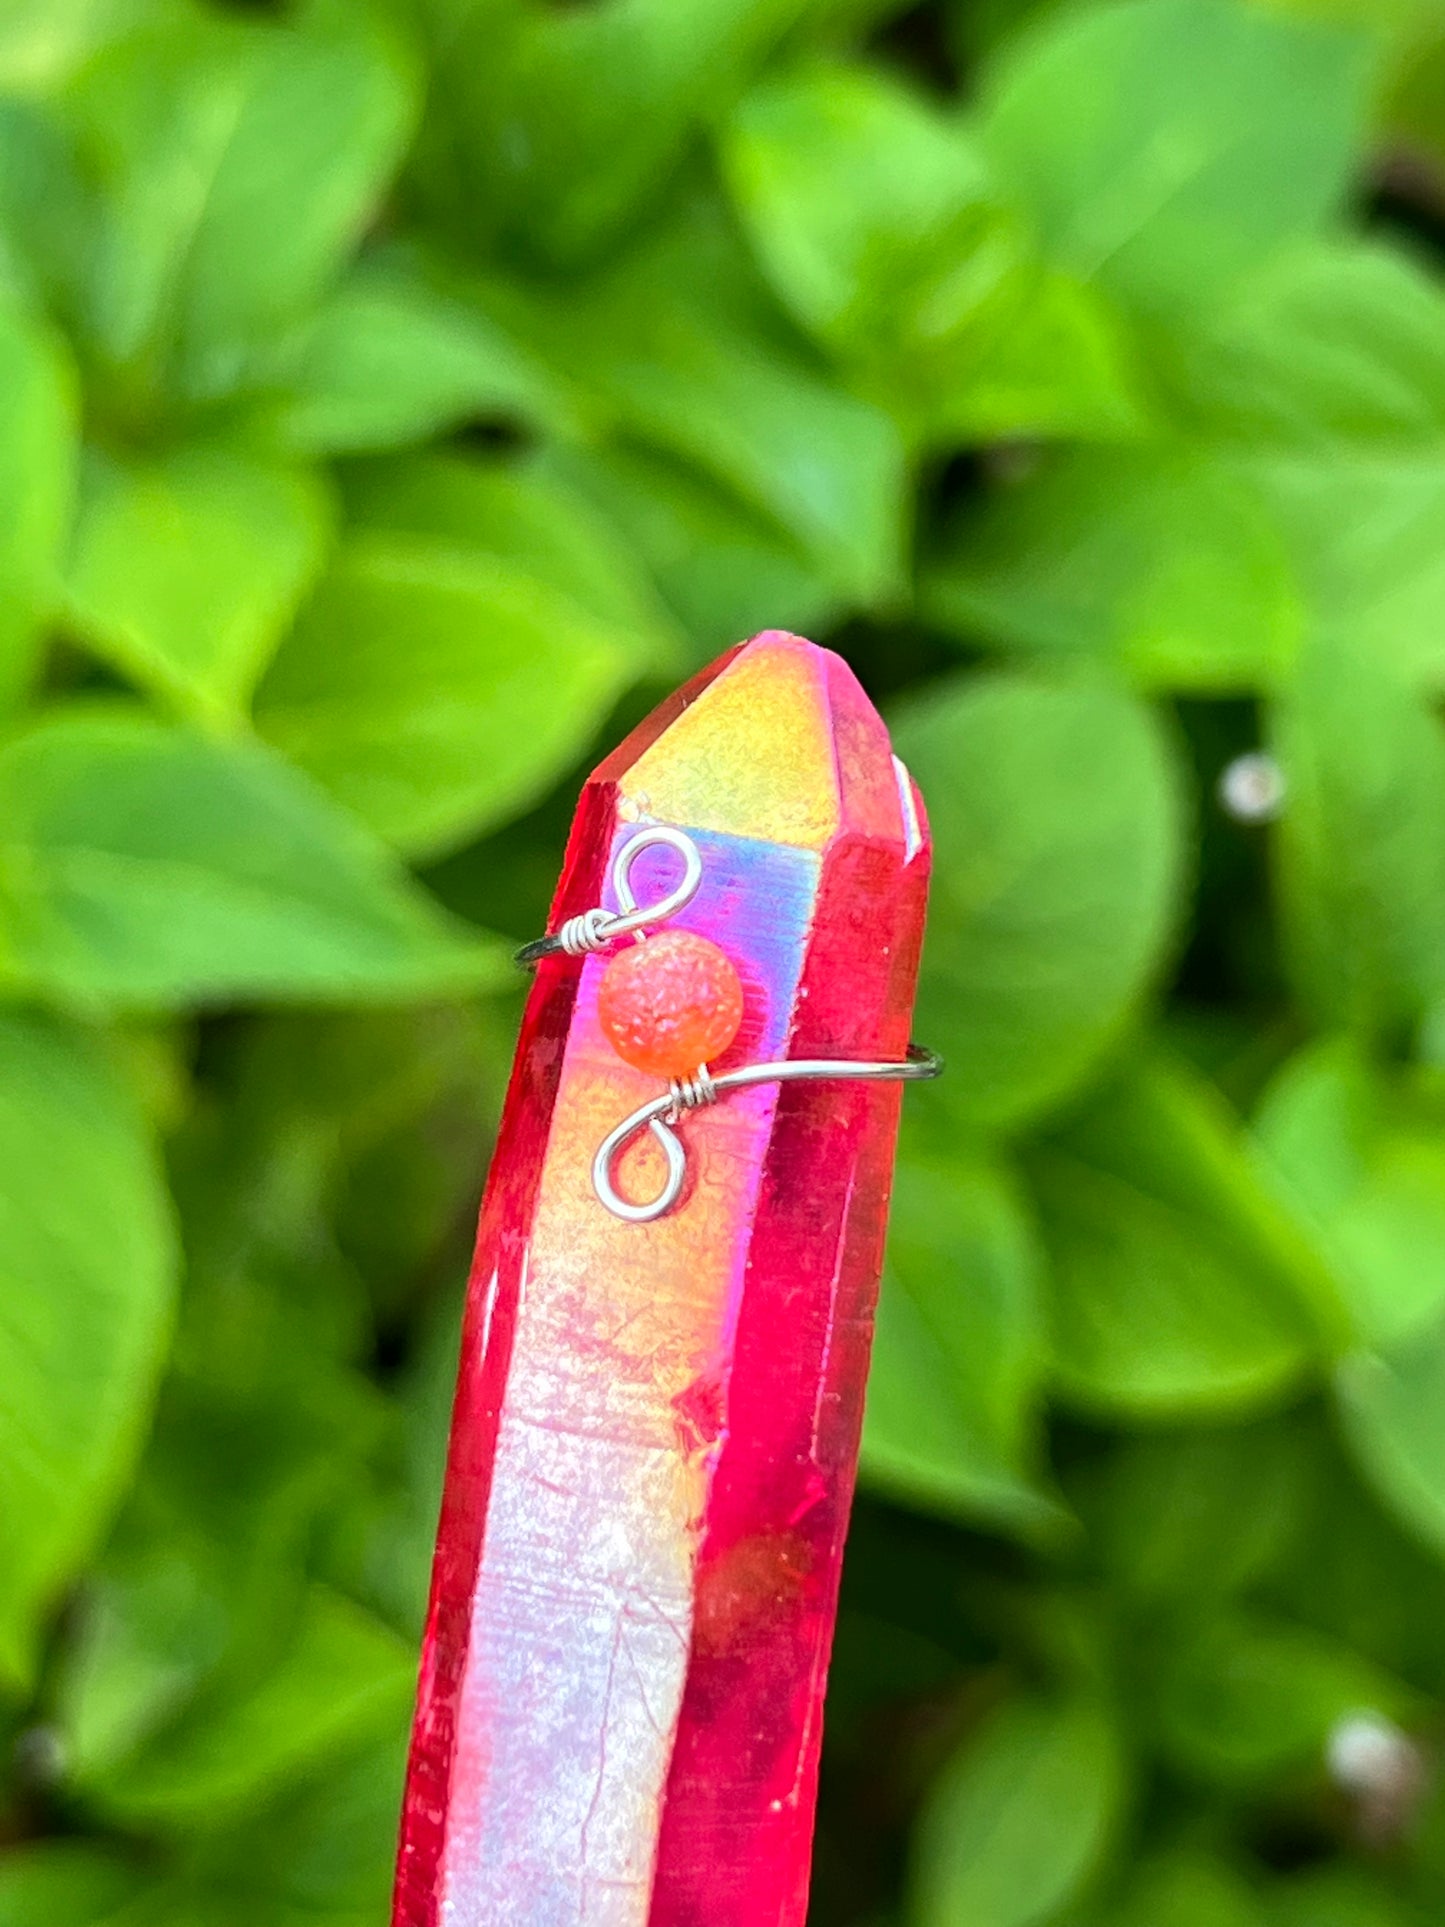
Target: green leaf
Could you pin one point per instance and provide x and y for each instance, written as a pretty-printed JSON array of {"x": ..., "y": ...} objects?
[
  {"x": 240, "y": 164},
  {"x": 1061, "y": 367},
  {"x": 389, "y": 360},
  {"x": 1187, "y": 1888},
  {"x": 526, "y": 516},
  {"x": 436, "y": 690},
  {"x": 725, "y": 570},
  {"x": 1058, "y": 825},
  {"x": 870, "y": 209},
  {"x": 560, "y": 126},
  {"x": 1250, "y": 1698},
  {"x": 877, "y": 223},
  {"x": 186, "y": 571},
  {"x": 682, "y": 348},
  {"x": 45, "y": 211},
  {"x": 344, "y": 1677},
  {"x": 1360, "y": 864},
  {"x": 1339, "y": 1896},
  {"x": 1168, "y": 146},
  {"x": 42, "y": 42},
  {"x": 1393, "y": 1407},
  {"x": 146, "y": 867},
  {"x": 1366, "y": 540},
  {"x": 37, "y": 476},
  {"x": 958, "y": 1355},
  {"x": 1353, "y": 1571},
  {"x": 261, "y": 1437},
  {"x": 89, "y": 1272},
  {"x": 1021, "y": 1818},
  {"x": 319, "y": 1852},
  {"x": 1334, "y": 344},
  {"x": 1160, "y": 562},
  {"x": 1180, "y": 1284},
  {"x": 62, "y": 1883},
  {"x": 1188, "y": 1517},
  {"x": 1366, "y": 1159}
]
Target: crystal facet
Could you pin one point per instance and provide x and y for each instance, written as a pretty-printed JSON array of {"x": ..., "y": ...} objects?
[{"x": 656, "y": 1425}]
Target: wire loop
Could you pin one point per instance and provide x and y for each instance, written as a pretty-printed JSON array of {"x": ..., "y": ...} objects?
[
  {"x": 594, "y": 929},
  {"x": 663, "y": 1113}
]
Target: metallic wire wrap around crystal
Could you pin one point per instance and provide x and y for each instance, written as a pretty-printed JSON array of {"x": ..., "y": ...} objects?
[
  {"x": 688, "y": 1094},
  {"x": 593, "y": 930}
]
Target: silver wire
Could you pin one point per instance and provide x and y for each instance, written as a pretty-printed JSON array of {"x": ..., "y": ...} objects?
[
  {"x": 686, "y": 1094},
  {"x": 595, "y": 929}
]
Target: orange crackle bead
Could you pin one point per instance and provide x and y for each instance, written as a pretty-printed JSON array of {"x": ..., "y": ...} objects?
[{"x": 671, "y": 1004}]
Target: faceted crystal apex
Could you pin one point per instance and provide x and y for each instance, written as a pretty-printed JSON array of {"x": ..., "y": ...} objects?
[{"x": 775, "y": 740}]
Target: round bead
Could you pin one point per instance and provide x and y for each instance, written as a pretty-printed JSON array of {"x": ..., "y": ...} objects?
[{"x": 670, "y": 1004}]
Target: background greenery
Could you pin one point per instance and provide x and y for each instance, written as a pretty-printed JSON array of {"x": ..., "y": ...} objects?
[{"x": 393, "y": 402}]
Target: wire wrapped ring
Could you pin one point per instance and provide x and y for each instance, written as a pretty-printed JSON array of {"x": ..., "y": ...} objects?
[{"x": 663, "y": 1113}]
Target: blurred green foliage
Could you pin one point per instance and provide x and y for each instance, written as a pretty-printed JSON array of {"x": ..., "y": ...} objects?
[{"x": 395, "y": 398}]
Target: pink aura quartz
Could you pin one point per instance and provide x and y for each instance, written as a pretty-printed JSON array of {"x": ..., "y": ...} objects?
[{"x": 656, "y": 1427}]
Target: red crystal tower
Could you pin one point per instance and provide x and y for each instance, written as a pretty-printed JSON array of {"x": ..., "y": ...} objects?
[{"x": 656, "y": 1427}]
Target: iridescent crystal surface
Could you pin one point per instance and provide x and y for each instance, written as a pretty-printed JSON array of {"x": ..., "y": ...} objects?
[{"x": 656, "y": 1426}]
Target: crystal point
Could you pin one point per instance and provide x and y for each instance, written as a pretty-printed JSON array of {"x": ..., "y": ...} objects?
[{"x": 656, "y": 1426}]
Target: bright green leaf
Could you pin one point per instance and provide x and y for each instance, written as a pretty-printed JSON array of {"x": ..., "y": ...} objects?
[
  {"x": 725, "y": 570},
  {"x": 869, "y": 208},
  {"x": 186, "y": 571},
  {"x": 144, "y": 867},
  {"x": 45, "y": 213},
  {"x": 959, "y": 1350},
  {"x": 1160, "y": 562},
  {"x": 388, "y": 360},
  {"x": 1365, "y": 535},
  {"x": 43, "y": 41},
  {"x": 1333, "y": 345},
  {"x": 435, "y": 689},
  {"x": 529, "y": 518},
  {"x": 1167, "y": 146},
  {"x": 239, "y": 163},
  {"x": 1393, "y": 1407},
  {"x": 84, "y": 1313},
  {"x": 1021, "y": 1817},
  {"x": 1057, "y": 823},
  {"x": 878, "y": 225},
  {"x": 1059, "y": 367},
  {"x": 1368, "y": 1163},
  {"x": 682, "y": 348},
  {"x": 1360, "y": 860},
  {"x": 1180, "y": 1284},
  {"x": 37, "y": 474}
]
